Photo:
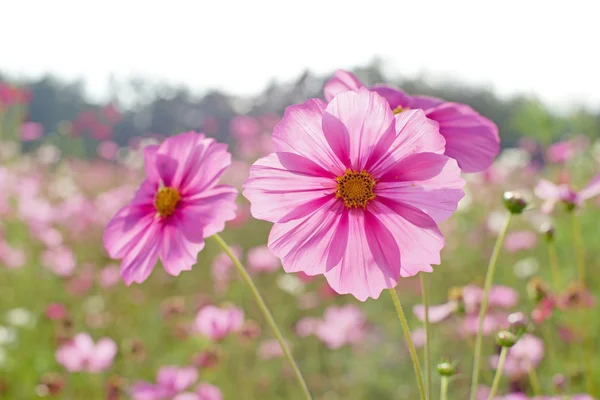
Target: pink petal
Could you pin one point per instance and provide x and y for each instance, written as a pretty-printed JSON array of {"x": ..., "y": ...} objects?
[
  {"x": 70, "y": 357},
  {"x": 177, "y": 252},
  {"x": 187, "y": 396},
  {"x": 415, "y": 134},
  {"x": 592, "y": 189},
  {"x": 394, "y": 96},
  {"x": 431, "y": 182},
  {"x": 371, "y": 261},
  {"x": 314, "y": 242},
  {"x": 300, "y": 132},
  {"x": 502, "y": 296},
  {"x": 436, "y": 313},
  {"x": 139, "y": 262},
  {"x": 103, "y": 355},
  {"x": 281, "y": 182},
  {"x": 205, "y": 214},
  {"x": 342, "y": 81},
  {"x": 146, "y": 391},
  {"x": 354, "y": 123},
  {"x": 547, "y": 190},
  {"x": 471, "y": 139},
  {"x": 125, "y": 229},
  {"x": 206, "y": 391}
]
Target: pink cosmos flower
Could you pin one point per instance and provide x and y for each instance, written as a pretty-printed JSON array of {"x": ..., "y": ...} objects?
[
  {"x": 355, "y": 192},
  {"x": 471, "y": 139},
  {"x": 216, "y": 323},
  {"x": 176, "y": 207},
  {"x": 341, "y": 326},
  {"x": 553, "y": 194},
  {"x": 59, "y": 260},
  {"x": 204, "y": 391},
  {"x": 260, "y": 259},
  {"x": 269, "y": 349},
  {"x": 221, "y": 268},
  {"x": 31, "y": 131},
  {"x": 244, "y": 127},
  {"x": 81, "y": 354},
  {"x": 520, "y": 240},
  {"x": 307, "y": 326},
  {"x": 10, "y": 256},
  {"x": 170, "y": 381},
  {"x": 109, "y": 276},
  {"x": 483, "y": 393},
  {"x": 108, "y": 150},
  {"x": 524, "y": 355}
]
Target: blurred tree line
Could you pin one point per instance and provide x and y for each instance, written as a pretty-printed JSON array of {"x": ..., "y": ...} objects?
[{"x": 151, "y": 108}]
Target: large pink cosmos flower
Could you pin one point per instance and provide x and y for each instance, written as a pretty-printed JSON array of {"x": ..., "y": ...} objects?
[
  {"x": 81, "y": 354},
  {"x": 176, "y": 207},
  {"x": 471, "y": 139},
  {"x": 355, "y": 192}
]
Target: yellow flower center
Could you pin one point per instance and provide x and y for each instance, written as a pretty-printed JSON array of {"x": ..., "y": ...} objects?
[
  {"x": 355, "y": 188},
  {"x": 166, "y": 201},
  {"x": 399, "y": 109}
]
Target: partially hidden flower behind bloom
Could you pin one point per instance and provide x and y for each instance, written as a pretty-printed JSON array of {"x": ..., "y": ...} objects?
[
  {"x": 204, "y": 391},
  {"x": 82, "y": 354},
  {"x": 170, "y": 381},
  {"x": 59, "y": 260},
  {"x": 341, "y": 326},
  {"x": 471, "y": 139},
  {"x": 31, "y": 131},
  {"x": 260, "y": 259},
  {"x": 553, "y": 194},
  {"x": 520, "y": 240},
  {"x": 216, "y": 323},
  {"x": 177, "y": 206},
  {"x": 524, "y": 355},
  {"x": 355, "y": 192}
]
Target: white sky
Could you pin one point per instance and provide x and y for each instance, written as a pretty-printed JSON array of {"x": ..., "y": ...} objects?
[{"x": 549, "y": 48}]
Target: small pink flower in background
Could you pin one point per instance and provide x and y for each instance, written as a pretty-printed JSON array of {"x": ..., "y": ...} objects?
[
  {"x": 111, "y": 114},
  {"x": 525, "y": 354},
  {"x": 471, "y": 139},
  {"x": 108, "y": 150},
  {"x": 419, "y": 337},
  {"x": 82, "y": 354},
  {"x": 260, "y": 259},
  {"x": 59, "y": 260},
  {"x": 11, "y": 257},
  {"x": 563, "y": 151},
  {"x": 244, "y": 127},
  {"x": 170, "y": 381},
  {"x": 204, "y": 391},
  {"x": 307, "y": 326},
  {"x": 109, "y": 276},
  {"x": 520, "y": 240},
  {"x": 216, "y": 323},
  {"x": 82, "y": 282},
  {"x": 210, "y": 125},
  {"x": 341, "y": 326},
  {"x": 174, "y": 210},
  {"x": 363, "y": 191},
  {"x": 269, "y": 349},
  {"x": 221, "y": 268},
  {"x": 56, "y": 312},
  {"x": 553, "y": 194},
  {"x": 31, "y": 131},
  {"x": 543, "y": 310},
  {"x": 47, "y": 235}
]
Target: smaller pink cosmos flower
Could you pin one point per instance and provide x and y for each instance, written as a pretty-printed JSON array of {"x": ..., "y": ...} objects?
[
  {"x": 170, "y": 381},
  {"x": 471, "y": 139},
  {"x": 10, "y": 256},
  {"x": 553, "y": 194},
  {"x": 31, "y": 131},
  {"x": 108, "y": 150},
  {"x": 341, "y": 326},
  {"x": 563, "y": 151},
  {"x": 527, "y": 353},
  {"x": 244, "y": 127},
  {"x": 307, "y": 326},
  {"x": 82, "y": 354},
  {"x": 109, "y": 276},
  {"x": 204, "y": 391},
  {"x": 59, "y": 260},
  {"x": 176, "y": 207},
  {"x": 260, "y": 259},
  {"x": 520, "y": 240},
  {"x": 222, "y": 266},
  {"x": 216, "y": 323},
  {"x": 270, "y": 349},
  {"x": 56, "y": 312}
]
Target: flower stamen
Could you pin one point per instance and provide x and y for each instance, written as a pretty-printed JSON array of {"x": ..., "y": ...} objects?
[
  {"x": 166, "y": 201},
  {"x": 355, "y": 188}
]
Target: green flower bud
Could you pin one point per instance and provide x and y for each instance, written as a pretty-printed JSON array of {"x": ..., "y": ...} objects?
[
  {"x": 514, "y": 202},
  {"x": 446, "y": 369},
  {"x": 506, "y": 339}
]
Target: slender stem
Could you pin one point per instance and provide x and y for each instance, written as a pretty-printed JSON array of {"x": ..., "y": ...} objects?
[
  {"x": 267, "y": 314},
  {"x": 425, "y": 296},
  {"x": 444, "y": 388},
  {"x": 553, "y": 257},
  {"x": 579, "y": 250},
  {"x": 484, "y": 304},
  {"x": 409, "y": 342},
  {"x": 588, "y": 352},
  {"x": 535, "y": 382},
  {"x": 498, "y": 375}
]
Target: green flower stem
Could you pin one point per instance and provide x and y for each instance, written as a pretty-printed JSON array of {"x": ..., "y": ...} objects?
[
  {"x": 409, "y": 342},
  {"x": 444, "y": 388},
  {"x": 425, "y": 296},
  {"x": 484, "y": 304},
  {"x": 498, "y": 375},
  {"x": 535, "y": 382},
  {"x": 579, "y": 250},
  {"x": 267, "y": 314}
]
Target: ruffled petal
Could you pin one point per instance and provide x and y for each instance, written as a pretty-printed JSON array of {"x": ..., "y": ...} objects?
[
  {"x": 126, "y": 228},
  {"x": 428, "y": 181},
  {"x": 205, "y": 214},
  {"x": 141, "y": 258},
  {"x": 103, "y": 355},
  {"x": 300, "y": 132},
  {"x": 591, "y": 190},
  {"x": 282, "y": 182},
  {"x": 471, "y": 139},
  {"x": 177, "y": 252},
  {"x": 342, "y": 81},
  {"x": 371, "y": 261}
]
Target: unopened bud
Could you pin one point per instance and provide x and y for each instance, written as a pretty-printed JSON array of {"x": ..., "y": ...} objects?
[
  {"x": 514, "y": 202},
  {"x": 506, "y": 339},
  {"x": 518, "y": 323},
  {"x": 559, "y": 381},
  {"x": 547, "y": 230},
  {"x": 446, "y": 368}
]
